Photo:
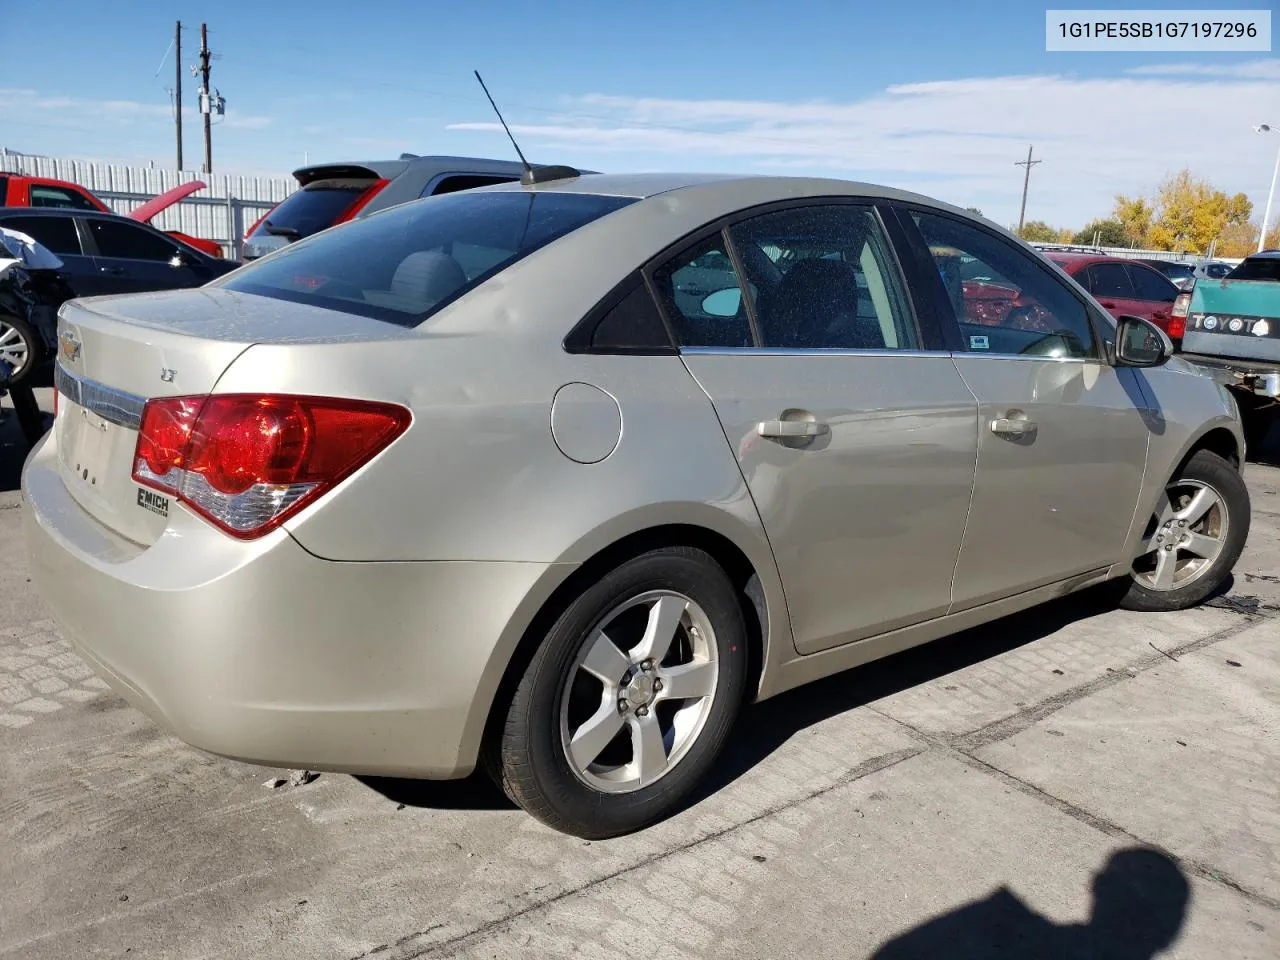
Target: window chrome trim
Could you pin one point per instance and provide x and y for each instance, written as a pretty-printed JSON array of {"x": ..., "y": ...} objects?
[
  {"x": 115, "y": 406},
  {"x": 842, "y": 352},
  {"x": 806, "y": 352}
]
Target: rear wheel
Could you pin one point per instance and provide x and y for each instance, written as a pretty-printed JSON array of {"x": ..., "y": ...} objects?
[
  {"x": 1194, "y": 537},
  {"x": 629, "y": 699},
  {"x": 20, "y": 347}
]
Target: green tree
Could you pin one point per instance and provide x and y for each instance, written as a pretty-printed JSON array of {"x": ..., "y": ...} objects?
[
  {"x": 975, "y": 210},
  {"x": 1109, "y": 232},
  {"x": 1037, "y": 231}
]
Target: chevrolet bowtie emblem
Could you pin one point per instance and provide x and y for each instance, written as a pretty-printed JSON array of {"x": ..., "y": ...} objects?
[{"x": 69, "y": 346}]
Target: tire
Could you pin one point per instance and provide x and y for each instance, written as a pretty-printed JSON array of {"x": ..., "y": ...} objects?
[
  {"x": 560, "y": 698},
  {"x": 21, "y": 346},
  {"x": 1175, "y": 575}
]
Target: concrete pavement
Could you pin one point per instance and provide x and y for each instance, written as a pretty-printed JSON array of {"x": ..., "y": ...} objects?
[{"x": 1073, "y": 781}]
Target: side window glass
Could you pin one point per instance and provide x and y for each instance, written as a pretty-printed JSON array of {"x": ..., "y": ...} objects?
[
  {"x": 1110, "y": 280},
  {"x": 1004, "y": 301},
  {"x": 57, "y": 234},
  {"x": 43, "y": 196},
  {"x": 700, "y": 291},
  {"x": 633, "y": 323},
  {"x": 1150, "y": 285},
  {"x": 129, "y": 242},
  {"x": 463, "y": 182},
  {"x": 823, "y": 278}
]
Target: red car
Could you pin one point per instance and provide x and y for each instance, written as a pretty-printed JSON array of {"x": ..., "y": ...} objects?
[
  {"x": 1128, "y": 287},
  {"x": 22, "y": 191}
]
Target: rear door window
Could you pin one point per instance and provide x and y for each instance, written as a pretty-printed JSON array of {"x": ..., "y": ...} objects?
[
  {"x": 1256, "y": 268},
  {"x": 313, "y": 208},
  {"x": 1150, "y": 285},
  {"x": 405, "y": 263},
  {"x": 129, "y": 242},
  {"x": 56, "y": 234}
]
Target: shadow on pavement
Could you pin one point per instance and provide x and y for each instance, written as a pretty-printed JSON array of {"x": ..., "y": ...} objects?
[
  {"x": 764, "y": 727},
  {"x": 1140, "y": 900}
]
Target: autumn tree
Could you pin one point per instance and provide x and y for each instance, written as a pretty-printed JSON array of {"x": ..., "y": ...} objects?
[
  {"x": 1109, "y": 232},
  {"x": 1241, "y": 239},
  {"x": 1136, "y": 215},
  {"x": 1037, "y": 231},
  {"x": 1186, "y": 213}
]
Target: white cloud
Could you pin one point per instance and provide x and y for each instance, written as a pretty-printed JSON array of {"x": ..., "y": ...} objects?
[
  {"x": 1254, "y": 68},
  {"x": 20, "y": 103},
  {"x": 955, "y": 139}
]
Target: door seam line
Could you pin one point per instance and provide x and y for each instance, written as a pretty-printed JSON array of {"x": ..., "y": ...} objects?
[{"x": 973, "y": 483}]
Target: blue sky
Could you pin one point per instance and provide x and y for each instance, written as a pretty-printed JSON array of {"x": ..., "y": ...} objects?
[{"x": 936, "y": 96}]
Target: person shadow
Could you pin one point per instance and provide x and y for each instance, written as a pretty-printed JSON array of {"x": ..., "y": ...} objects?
[{"x": 1140, "y": 899}]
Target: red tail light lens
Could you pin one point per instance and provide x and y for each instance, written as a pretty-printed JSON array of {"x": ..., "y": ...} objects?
[
  {"x": 361, "y": 201},
  {"x": 1177, "y": 328},
  {"x": 247, "y": 463},
  {"x": 55, "y": 403}
]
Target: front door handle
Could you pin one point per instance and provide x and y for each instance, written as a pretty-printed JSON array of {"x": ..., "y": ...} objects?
[
  {"x": 1108, "y": 304},
  {"x": 1013, "y": 426},
  {"x": 114, "y": 271},
  {"x": 790, "y": 429}
]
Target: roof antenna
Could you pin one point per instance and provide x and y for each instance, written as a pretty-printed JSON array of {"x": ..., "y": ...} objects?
[{"x": 531, "y": 176}]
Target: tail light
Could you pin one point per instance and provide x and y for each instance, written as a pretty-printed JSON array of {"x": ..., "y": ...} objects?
[
  {"x": 361, "y": 201},
  {"x": 1181, "y": 306},
  {"x": 55, "y": 403},
  {"x": 1177, "y": 328},
  {"x": 257, "y": 223},
  {"x": 247, "y": 463}
]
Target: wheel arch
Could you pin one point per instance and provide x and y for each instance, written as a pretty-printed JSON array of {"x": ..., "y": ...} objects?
[{"x": 741, "y": 551}]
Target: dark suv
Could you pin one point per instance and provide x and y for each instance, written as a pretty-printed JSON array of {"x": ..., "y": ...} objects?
[{"x": 332, "y": 193}]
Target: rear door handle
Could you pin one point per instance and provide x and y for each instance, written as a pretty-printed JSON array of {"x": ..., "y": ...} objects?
[
  {"x": 1108, "y": 304},
  {"x": 791, "y": 428},
  {"x": 1013, "y": 426}
]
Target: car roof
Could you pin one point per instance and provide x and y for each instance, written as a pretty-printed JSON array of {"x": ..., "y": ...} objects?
[
  {"x": 747, "y": 189},
  {"x": 1085, "y": 259},
  {"x": 1264, "y": 255},
  {"x": 428, "y": 165},
  {"x": 59, "y": 212}
]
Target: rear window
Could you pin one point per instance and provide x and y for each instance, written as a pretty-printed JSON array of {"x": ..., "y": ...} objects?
[
  {"x": 1180, "y": 271},
  {"x": 313, "y": 208},
  {"x": 407, "y": 262},
  {"x": 1256, "y": 268}
]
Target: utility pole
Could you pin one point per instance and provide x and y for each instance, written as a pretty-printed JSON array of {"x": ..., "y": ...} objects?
[
  {"x": 177, "y": 89},
  {"x": 205, "y": 105},
  {"x": 1026, "y": 182}
]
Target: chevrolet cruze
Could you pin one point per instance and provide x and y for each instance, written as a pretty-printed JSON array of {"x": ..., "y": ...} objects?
[{"x": 552, "y": 477}]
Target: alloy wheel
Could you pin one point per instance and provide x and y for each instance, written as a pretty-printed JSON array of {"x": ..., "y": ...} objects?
[
  {"x": 1185, "y": 535},
  {"x": 639, "y": 692},
  {"x": 14, "y": 349}
]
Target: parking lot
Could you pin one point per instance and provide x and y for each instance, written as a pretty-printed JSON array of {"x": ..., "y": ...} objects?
[{"x": 959, "y": 800}]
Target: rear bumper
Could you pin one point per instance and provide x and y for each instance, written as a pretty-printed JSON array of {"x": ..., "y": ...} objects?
[
  {"x": 1260, "y": 377},
  {"x": 264, "y": 653}
]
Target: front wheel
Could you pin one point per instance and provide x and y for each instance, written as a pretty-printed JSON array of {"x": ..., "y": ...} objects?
[
  {"x": 629, "y": 699},
  {"x": 1194, "y": 537}
]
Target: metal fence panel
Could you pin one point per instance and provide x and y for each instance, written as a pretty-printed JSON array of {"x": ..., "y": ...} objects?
[{"x": 222, "y": 211}]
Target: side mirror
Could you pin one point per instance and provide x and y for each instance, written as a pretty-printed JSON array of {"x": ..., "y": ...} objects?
[
  {"x": 723, "y": 303},
  {"x": 1140, "y": 343}
]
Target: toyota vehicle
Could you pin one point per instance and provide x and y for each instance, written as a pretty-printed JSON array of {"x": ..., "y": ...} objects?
[
  {"x": 1233, "y": 332},
  {"x": 333, "y": 193},
  {"x": 551, "y": 477}
]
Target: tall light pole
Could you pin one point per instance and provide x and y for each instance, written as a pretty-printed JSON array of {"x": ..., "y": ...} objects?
[{"x": 1266, "y": 216}]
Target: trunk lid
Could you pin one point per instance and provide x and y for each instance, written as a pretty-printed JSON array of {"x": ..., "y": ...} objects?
[{"x": 115, "y": 353}]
